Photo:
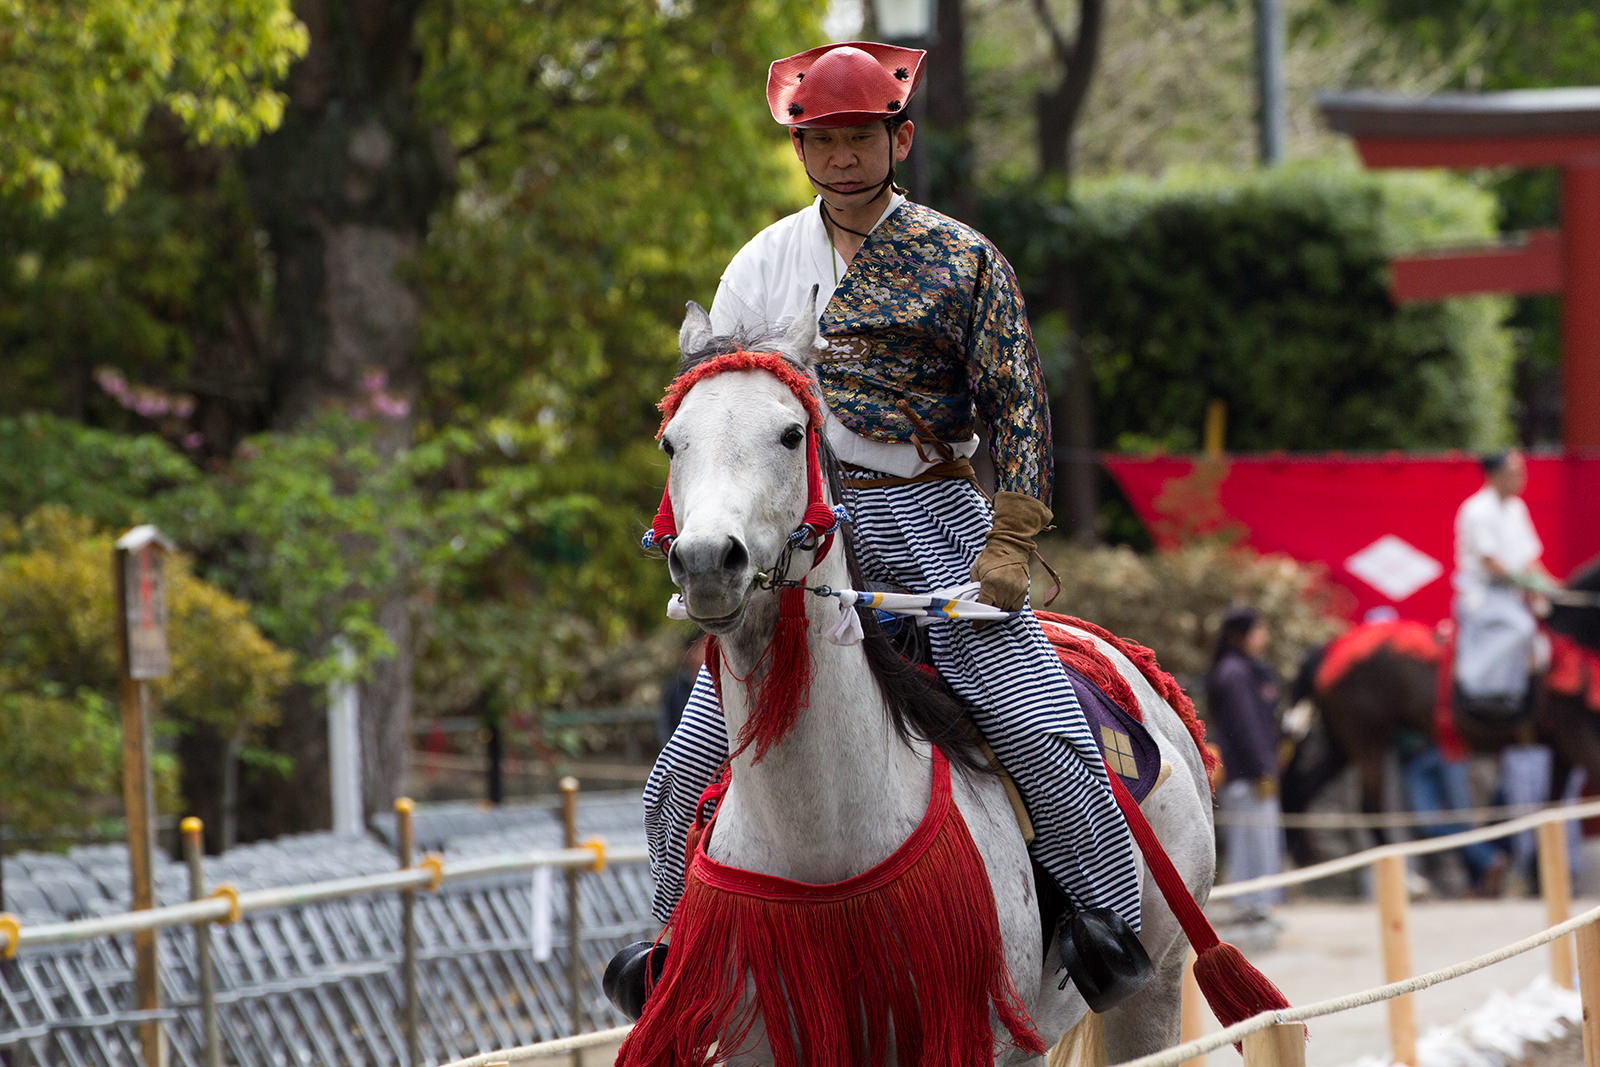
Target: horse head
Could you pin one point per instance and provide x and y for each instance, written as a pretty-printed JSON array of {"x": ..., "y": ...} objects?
[{"x": 739, "y": 429}]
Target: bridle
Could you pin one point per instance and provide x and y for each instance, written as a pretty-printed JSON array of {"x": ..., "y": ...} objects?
[
  {"x": 819, "y": 524},
  {"x": 786, "y": 685}
]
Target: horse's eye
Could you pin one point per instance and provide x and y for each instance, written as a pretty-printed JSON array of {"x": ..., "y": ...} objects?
[
  {"x": 666, "y": 446},
  {"x": 792, "y": 437}
]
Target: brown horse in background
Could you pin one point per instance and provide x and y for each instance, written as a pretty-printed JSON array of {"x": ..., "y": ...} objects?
[{"x": 1391, "y": 690}]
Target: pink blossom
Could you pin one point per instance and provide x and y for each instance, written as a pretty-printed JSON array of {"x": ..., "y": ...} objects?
[
  {"x": 112, "y": 382},
  {"x": 374, "y": 380},
  {"x": 391, "y": 407},
  {"x": 193, "y": 440},
  {"x": 150, "y": 404}
]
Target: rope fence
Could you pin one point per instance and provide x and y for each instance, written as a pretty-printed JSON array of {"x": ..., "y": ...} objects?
[
  {"x": 1273, "y": 1039},
  {"x": 1388, "y": 820},
  {"x": 226, "y": 904},
  {"x": 1362, "y": 998},
  {"x": 1561, "y": 813}
]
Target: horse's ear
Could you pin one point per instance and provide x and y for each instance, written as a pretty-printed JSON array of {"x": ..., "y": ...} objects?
[
  {"x": 696, "y": 332},
  {"x": 800, "y": 343}
]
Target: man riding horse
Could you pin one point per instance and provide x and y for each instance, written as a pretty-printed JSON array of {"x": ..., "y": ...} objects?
[
  {"x": 1497, "y": 564},
  {"x": 922, "y": 326}
]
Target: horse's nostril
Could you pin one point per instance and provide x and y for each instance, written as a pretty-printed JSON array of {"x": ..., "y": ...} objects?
[
  {"x": 674, "y": 565},
  {"x": 736, "y": 557}
]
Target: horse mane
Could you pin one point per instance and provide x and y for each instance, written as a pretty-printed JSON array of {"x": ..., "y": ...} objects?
[{"x": 920, "y": 705}]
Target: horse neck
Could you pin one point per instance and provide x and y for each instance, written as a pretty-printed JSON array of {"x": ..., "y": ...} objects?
[{"x": 842, "y": 773}]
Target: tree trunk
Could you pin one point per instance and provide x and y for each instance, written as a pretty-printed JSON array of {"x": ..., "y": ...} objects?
[
  {"x": 948, "y": 114},
  {"x": 1077, "y": 495},
  {"x": 1057, "y": 110},
  {"x": 344, "y": 190}
]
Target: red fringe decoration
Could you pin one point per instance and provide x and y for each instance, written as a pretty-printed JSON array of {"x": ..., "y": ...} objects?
[
  {"x": 1165, "y": 685},
  {"x": 1403, "y": 637},
  {"x": 909, "y": 951},
  {"x": 787, "y": 686},
  {"x": 1574, "y": 671},
  {"x": 802, "y": 385},
  {"x": 1082, "y": 656}
]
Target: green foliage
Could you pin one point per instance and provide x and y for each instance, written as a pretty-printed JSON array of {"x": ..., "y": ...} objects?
[
  {"x": 312, "y": 529},
  {"x": 1267, "y": 291},
  {"x": 1173, "y": 601},
  {"x": 79, "y": 79},
  {"x": 108, "y": 478},
  {"x": 88, "y": 299},
  {"x": 592, "y": 208},
  {"x": 59, "y": 728},
  {"x": 1516, "y": 44}
]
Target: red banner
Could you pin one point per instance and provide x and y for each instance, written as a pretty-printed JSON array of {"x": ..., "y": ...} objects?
[{"x": 1383, "y": 526}]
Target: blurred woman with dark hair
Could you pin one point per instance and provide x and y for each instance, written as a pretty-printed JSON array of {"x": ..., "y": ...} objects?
[{"x": 1241, "y": 701}]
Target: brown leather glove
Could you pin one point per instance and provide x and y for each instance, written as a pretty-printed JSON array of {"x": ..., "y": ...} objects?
[{"x": 1001, "y": 569}]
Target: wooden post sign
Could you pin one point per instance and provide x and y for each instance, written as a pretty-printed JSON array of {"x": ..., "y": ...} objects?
[
  {"x": 142, "y": 604},
  {"x": 142, "y": 644}
]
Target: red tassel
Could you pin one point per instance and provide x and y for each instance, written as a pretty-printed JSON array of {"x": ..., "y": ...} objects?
[
  {"x": 787, "y": 685},
  {"x": 665, "y": 527},
  {"x": 819, "y": 516},
  {"x": 909, "y": 951},
  {"x": 1233, "y": 986}
]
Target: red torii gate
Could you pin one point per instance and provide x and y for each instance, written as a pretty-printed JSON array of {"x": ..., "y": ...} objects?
[{"x": 1529, "y": 128}]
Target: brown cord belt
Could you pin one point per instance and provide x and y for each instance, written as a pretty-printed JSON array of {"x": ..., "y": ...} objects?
[{"x": 953, "y": 468}]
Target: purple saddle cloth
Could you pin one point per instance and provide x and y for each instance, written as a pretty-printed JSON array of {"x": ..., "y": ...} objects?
[{"x": 1129, "y": 750}]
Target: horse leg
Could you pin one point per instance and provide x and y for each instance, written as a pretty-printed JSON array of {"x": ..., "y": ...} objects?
[
  {"x": 1370, "y": 768},
  {"x": 1317, "y": 760},
  {"x": 1150, "y": 1020}
]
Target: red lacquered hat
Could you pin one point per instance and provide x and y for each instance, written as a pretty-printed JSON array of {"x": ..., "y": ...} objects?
[{"x": 840, "y": 85}]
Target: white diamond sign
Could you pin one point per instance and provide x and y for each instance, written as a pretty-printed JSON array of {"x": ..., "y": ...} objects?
[{"x": 1394, "y": 567}]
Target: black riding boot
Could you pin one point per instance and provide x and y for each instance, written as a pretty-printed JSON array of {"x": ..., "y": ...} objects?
[
  {"x": 1103, "y": 957},
  {"x": 631, "y": 973}
]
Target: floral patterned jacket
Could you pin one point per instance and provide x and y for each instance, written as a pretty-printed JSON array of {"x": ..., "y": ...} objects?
[{"x": 930, "y": 312}]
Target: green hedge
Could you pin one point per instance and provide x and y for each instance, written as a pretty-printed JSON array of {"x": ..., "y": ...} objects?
[{"x": 1269, "y": 291}]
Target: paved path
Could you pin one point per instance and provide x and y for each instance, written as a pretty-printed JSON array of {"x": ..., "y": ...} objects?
[{"x": 1327, "y": 950}]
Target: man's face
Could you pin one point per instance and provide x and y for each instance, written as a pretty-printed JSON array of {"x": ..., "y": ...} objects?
[
  {"x": 1512, "y": 477},
  {"x": 852, "y": 162}
]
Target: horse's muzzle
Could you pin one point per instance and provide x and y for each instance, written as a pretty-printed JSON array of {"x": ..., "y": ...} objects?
[{"x": 714, "y": 575}]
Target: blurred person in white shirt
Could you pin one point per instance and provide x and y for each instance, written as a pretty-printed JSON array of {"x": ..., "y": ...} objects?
[{"x": 1497, "y": 577}]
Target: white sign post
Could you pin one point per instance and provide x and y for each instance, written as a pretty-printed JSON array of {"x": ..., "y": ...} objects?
[{"x": 344, "y": 747}]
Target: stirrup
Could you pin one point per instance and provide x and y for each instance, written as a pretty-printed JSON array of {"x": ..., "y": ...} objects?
[
  {"x": 631, "y": 973},
  {"x": 1103, "y": 957}
]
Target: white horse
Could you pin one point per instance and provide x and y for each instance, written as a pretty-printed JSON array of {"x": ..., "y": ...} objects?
[{"x": 842, "y": 789}]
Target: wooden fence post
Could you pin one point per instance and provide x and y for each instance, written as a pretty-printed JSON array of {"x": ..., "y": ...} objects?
[
  {"x": 1193, "y": 1023},
  {"x": 1283, "y": 1045},
  {"x": 405, "y": 848},
  {"x": 1589, "y": 987},
  {"x": 192, "y": 829},
  {"x": 575, "y": 976},
  {"x": 1391, "y": 879},
  {"x": 1555, "y": 882}
]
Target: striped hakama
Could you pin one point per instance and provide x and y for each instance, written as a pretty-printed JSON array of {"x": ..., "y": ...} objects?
[{"x": 924, "y": 537}]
